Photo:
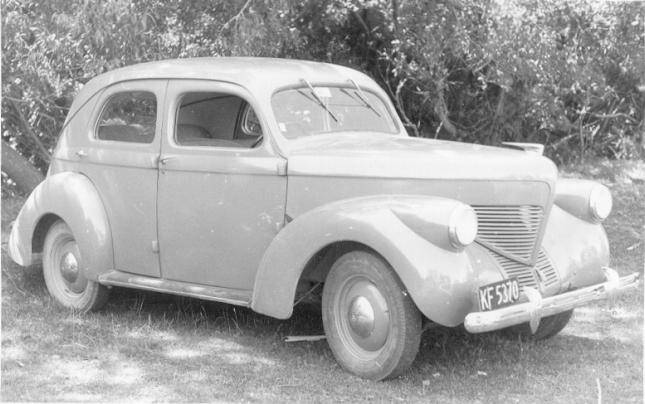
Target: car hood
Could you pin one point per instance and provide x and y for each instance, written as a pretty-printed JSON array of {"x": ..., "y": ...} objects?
[{"x": 385, "y": 156}]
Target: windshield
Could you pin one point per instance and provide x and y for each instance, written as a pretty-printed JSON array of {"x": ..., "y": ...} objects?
[{"x": 316, "y": 110}]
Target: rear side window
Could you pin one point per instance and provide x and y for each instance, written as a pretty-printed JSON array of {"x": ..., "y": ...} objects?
[{"x": 129, "y": 116}]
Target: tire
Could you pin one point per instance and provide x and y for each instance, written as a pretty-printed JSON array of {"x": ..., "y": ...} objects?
[
  {"x": 549, "y": 327},
  {"x": 381, "y": 339},
  {"x": 64, "y": 275}
]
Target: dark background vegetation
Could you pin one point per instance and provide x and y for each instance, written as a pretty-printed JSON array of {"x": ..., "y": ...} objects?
[{"x": 566, "y": 74}]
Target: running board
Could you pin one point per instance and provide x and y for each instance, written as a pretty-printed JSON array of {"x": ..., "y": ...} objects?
[{"x": 214, "y": 293}]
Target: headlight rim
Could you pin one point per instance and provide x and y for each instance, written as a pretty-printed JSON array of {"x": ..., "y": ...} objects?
[
  {"x": 458, "y": 220},
  {"x": 599, "y": 191}
]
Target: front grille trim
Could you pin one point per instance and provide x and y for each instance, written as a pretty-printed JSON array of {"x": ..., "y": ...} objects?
[
  {"x": 546, "y": 271},
  {"x": 510, "y": 230},
  {"x": 542, "y": 275}
]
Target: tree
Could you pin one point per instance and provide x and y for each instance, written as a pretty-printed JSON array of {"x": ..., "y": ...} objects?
[
  {"x": 52, "y": 47},
  {"x": 19, "y": 169},
  {"x": 566, "y": 74}
]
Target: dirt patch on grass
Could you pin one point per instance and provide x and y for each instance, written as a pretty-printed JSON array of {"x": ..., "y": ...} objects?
[{"x": 153, "y": 347}]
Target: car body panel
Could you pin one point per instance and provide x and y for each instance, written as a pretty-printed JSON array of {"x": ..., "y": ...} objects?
[
  {"x": 353, "y": 165},
  {"x": 73, "y": 198},
  {"x": 580, "y": 259},
  {"x": 572, "y": 195},
  {"x": 437, "y": 276},
  {"x": 125, "y": 174},
  {"x": 419, "y": 262},
  {"x": 308, "y": 192},
  {"x": 219, "y": 207},
  {"x": 390, "y": 156}
]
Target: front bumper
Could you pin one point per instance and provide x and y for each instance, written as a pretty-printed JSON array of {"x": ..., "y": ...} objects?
[{"x": 538, "y": 307}]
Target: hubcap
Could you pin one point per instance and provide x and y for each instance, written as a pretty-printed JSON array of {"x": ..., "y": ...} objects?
[
  {"x": 69, "y": 267},
  {"x": 363, "y": 316},
  {"x": 71, "y": 278}
]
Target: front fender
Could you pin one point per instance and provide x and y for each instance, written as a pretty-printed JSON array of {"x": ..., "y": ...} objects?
[
  {"x": 438, "y": 277},
  {"x": 573, "y": 196},
  {"x": 73, "y": 198},
  {"x": 577, "y": 248}
]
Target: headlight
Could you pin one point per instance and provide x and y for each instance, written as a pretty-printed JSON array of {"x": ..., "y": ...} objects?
[
  {"x": 462, "y": 226},
  {"x": 600, "y": 202}
]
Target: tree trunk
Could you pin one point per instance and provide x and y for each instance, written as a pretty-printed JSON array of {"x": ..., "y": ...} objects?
[
  {"x": 40, "y": 147},
  {"x": 19, "y": 169}
]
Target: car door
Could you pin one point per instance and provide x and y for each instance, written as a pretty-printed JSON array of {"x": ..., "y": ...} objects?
[
  {"x": 222, "y": 189},
  {"x": 120, "y": 157}
]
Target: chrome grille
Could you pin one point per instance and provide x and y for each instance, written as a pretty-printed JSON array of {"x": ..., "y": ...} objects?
[
  {"x": 511, "y": 231},
  {"x": 543, "y": 272},
  {"x": 546, "y": 272},
  {"x": 513, "y": 269}
]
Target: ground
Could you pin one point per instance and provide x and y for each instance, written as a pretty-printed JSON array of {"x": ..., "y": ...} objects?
[{"x": 153, "y": 347}]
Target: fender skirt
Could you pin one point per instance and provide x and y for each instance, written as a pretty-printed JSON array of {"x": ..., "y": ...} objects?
[
  {"x": 73, "y": 198},
  {"x": 409, "y": 232}
]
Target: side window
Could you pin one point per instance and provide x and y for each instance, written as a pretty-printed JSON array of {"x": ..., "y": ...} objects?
[
  {"x": 129, "y": 116},
  {"x": 216, "y": 120}
]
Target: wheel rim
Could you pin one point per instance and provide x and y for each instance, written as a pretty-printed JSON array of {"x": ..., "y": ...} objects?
[
  {"x": 67, "y": 269},
  {"x": 362, "y": 317}
]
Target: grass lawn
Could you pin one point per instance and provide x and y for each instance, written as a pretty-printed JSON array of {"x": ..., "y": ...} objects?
[{"x": 153, "y": 347}]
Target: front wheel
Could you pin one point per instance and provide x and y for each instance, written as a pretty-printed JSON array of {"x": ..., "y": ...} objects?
[
  {"x": 372, "y": 325},
  {"x": 64, "y": 277}
]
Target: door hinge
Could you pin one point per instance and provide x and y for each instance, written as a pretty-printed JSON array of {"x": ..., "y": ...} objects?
[{"x": 155, "y": 246}]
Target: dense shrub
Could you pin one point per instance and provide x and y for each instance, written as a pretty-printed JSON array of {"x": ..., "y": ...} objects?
[{"x": 566, "y": 74}]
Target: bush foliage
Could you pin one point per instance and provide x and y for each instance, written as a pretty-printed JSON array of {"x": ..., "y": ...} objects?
[{"x": 567, "y": 74}]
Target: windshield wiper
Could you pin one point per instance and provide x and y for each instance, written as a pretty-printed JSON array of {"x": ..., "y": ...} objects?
[
  {"x": 359, "y": 93},
  {"x": 318, "y": 100},
  {"x": 358, "y": 99}
]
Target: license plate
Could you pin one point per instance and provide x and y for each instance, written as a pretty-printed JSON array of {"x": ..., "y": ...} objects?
[{"x": 499, "y": 294}]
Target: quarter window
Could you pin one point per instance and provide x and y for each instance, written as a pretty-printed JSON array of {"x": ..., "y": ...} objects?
[{"x": 129, "y": 117}]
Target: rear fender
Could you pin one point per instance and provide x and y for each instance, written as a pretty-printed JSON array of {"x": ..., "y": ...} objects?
[
  {"x": 73, "y": 198},
  {"x": 409, "y": 232}
]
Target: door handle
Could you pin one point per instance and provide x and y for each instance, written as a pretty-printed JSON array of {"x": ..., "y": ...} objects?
[
  {"x": 165, "y": 159},
  {"x": 81, "y": 153}
]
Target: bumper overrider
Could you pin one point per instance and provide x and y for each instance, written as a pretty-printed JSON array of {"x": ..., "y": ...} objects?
[{"x": 538, "y": 307}]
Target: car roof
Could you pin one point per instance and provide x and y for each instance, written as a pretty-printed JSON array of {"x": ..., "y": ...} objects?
[{"x": 263, "y": 75}]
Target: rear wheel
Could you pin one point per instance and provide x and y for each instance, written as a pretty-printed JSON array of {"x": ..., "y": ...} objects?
[
  {"x": 549, "y": 327},
  {"x": 63, "y": 272},
  {"x": 372, "y": 325}
]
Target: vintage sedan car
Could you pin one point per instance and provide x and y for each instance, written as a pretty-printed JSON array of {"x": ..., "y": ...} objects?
[{"x": 256, "y": 182}]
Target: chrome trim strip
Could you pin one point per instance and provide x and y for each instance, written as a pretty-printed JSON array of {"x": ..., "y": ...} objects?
[{"x": 213, "y": 293}]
